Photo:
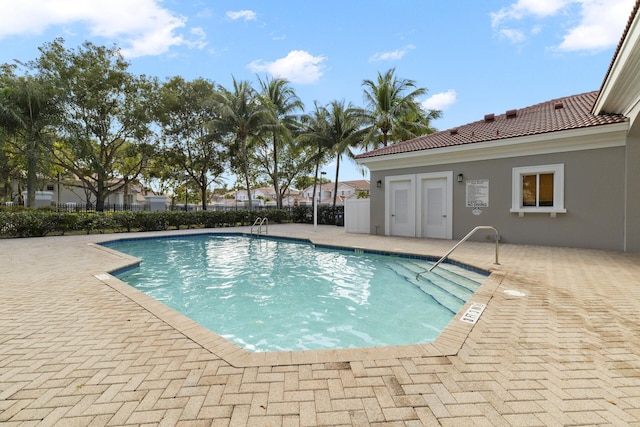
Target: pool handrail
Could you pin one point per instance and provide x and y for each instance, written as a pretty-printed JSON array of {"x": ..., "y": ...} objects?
[
  {"x": 258, "y": 223},
  {"x": 480, "y": 227}
]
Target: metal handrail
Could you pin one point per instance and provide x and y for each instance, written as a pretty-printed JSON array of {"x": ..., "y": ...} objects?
[
  {"x": 259, "y": 222},
  {"x": 480, "y": 227}
]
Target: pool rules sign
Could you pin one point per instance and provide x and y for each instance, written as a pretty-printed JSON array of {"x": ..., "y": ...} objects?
[{"x": 477, "y": 195}]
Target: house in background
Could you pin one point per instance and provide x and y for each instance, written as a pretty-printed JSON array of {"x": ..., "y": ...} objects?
[
  {"x": 565, "y": 172},
  {"x": 264, "y": 196},
  {"x": 71, "y": 195},
  {"x": 346, "y": 190}
]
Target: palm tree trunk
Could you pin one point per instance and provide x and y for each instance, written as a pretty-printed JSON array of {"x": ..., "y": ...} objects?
[
  {"x": 32, "y": 163},
  {"x": 335, "y": 187},
  {"x": 245, "y": 167},
  {"x": 276, "y": 177},
  {"x": 315, "y": 186}
]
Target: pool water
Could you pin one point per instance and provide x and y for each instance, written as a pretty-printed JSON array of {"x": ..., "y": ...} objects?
[{"x": 273, "y": 294}]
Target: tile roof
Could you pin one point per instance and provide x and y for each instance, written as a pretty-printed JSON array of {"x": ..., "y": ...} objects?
[
  {"x": 358, "y": 184},
  {"x": 571, "y": 112}
]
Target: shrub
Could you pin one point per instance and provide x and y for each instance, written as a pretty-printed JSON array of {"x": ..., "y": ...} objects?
[
  {"x": 151, "y": 221},
  {"x": 65, "y": 221},
  {"x": 124, "y": 220},
  {"x": 40, "y": 222},
  {"x": 29, "y": 223},
  {"x": 96, "y": 221}
]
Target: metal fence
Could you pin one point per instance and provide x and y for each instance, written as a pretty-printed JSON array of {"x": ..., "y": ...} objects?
[{"x": 90, "y": 207}]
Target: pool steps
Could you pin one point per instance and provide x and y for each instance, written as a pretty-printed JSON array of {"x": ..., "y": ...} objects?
[{"x": 446, "y": 288}]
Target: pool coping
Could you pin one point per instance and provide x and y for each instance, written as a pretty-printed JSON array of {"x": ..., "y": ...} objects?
[{"x": 448, "y": 343}]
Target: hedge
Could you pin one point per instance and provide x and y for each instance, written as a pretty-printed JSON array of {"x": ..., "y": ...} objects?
[{"x": 43, "y": 222}]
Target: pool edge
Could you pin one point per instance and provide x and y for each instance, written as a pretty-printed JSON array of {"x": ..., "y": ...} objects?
[{"x": 448, "y": 343}]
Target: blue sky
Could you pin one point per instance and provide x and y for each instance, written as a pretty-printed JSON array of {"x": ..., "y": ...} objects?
[{"x": 474, "y": 57}]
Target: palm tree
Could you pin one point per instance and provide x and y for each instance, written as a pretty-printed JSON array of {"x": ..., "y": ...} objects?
[
  {"x": 392, "y": 111},
  {"x": 26, "y": 112},
  {"x": 346, "y": 133},
  {"x": 282, "y": 102},
  {"x": 317, "y": 131},
  {"x": 242, "y": 116}
]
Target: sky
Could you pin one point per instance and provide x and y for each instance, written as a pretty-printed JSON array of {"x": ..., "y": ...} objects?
[{"x": 473, "y": 57}]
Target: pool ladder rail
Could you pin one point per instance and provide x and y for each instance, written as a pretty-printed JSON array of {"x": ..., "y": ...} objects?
[
  {"x": 464, "y": 239},
  {"x": 258, "y": 224}
]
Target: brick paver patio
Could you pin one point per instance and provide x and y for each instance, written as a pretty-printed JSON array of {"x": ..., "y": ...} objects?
[{"x": 78, "y": 347}]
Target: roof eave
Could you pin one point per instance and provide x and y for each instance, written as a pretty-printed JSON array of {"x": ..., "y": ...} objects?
[
  {"x": 616, "y": 96},
  {"x": 592, "y": 137}
]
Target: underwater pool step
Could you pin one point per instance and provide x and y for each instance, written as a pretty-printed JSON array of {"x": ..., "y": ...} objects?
[
  {"x": 437, "y": 291},
  {"x": 464, "y": 279},
  {"x": 460, "y": 286}
]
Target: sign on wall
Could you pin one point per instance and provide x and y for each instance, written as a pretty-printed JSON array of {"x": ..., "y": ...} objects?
[{"x": 478, "y": 193}]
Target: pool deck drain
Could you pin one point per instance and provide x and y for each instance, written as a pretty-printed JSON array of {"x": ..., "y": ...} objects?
[{"x": 75, "y": 349}]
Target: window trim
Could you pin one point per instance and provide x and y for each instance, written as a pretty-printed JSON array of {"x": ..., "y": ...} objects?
[{"x": 558, "y": 189}]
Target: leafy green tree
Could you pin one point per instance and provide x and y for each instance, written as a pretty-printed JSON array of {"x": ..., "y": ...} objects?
[
  {"x": 296, "y": 159},
  {"x": 243, "y": 118},
  {"x": 282, "y": 104},
  {"x": 305, "y": 181},
  {"x": 392, "y": 112},
  {"x": 106, "y": 115},
  {"x": 27, "y": 111},
  {"x": 185, "y": 111},
  {"x": 160, "y": 174}
]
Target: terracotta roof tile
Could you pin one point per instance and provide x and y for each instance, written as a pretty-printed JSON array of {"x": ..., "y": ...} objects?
[
  {"x": 571, "y": 112},
  {"x": 358, "y": 184}
]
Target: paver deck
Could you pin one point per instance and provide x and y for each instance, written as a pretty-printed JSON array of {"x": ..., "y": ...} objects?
[{"x": 78, "y": 347}]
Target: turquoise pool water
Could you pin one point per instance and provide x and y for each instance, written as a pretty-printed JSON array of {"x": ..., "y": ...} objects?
[{"x": 273, "y": 295}]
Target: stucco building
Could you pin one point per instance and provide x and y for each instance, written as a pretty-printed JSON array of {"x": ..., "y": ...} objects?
[{"x": 565, "y": 172}]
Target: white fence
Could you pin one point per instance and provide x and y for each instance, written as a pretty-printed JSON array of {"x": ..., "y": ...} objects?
[{"x": 356, "y": 216}]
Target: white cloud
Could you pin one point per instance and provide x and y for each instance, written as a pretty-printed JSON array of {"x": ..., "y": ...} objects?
[
  {"x": 297, "y": 67},
  {"x": 600, "y": 27},
  {"x": 247, "y": 15},
  {"x": 277, "y": 36},
  {"x": 599, "y": 22},
  {"x": 440, "y": 101},
  {"x": 200, "y": 41},
  {"x": 391, "y": 56},
  {"x": 514, "y": 36},
  {"x": 522, "y": 8},
  {"x": 142, "y": 27},
  {"x": 205, "y": 13}
]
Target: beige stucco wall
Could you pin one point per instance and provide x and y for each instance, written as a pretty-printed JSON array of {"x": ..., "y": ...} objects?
[{"x": 594, "y": 200}]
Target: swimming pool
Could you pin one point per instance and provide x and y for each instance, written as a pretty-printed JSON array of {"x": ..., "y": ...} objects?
[{"x": 274, "y": 294}]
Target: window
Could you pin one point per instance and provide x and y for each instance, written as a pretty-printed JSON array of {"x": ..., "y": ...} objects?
[
  {"x": 538, "y": 189},
  {"x": 49, "y": 187}
]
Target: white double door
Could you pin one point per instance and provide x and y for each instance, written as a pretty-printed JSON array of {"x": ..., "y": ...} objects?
[{"x": 419, "y": 205}]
